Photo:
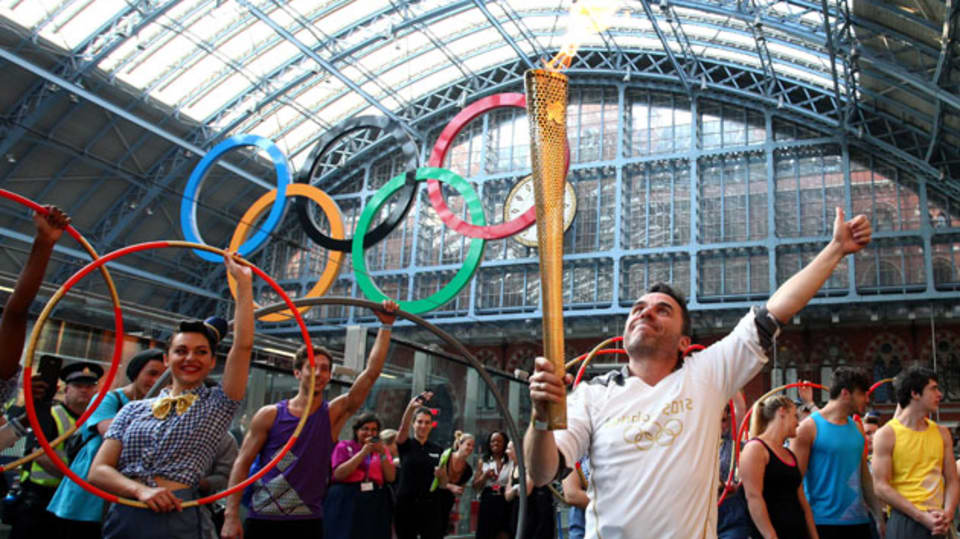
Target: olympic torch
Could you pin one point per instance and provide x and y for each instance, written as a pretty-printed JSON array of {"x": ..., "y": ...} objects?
[{"x": 547, "y": 110}]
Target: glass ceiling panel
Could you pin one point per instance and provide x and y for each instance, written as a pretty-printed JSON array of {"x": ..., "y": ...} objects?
[{"x": 405, "y": 63}]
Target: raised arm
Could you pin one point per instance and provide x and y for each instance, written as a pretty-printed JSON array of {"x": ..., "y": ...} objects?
[
  {"x": 237, "y": 368},
  {"x": 13, "y": 322},
  {"x": 252, "y": 444},
  {"x": 848, "y": 237},
  {"x": 344, "y": 406},
  {"x": 404, "y": 431}
]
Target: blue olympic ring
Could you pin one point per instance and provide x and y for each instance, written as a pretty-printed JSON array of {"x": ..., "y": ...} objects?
[{"x": 188, "y": 204}]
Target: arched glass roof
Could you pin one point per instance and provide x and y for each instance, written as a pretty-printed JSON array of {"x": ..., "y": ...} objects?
[{"x": 291, "y": 70}]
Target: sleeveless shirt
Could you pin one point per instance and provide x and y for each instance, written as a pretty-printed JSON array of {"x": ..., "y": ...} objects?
[
  {"x": 780, "y": 484},
  {"x": 295, "y": 488},
  {"x": 833, "y": 482},
  {"x": 918, "y": 465}
]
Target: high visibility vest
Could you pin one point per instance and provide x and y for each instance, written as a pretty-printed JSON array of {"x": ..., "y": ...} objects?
[{"x": 36, "y": 474}]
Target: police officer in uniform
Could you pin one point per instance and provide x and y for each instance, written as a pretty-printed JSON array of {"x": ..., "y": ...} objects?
[{"x": 39, "y": 479}]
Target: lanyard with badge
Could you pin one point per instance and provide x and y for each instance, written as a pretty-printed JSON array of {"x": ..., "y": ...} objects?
[{"x": 367, "y": 484}]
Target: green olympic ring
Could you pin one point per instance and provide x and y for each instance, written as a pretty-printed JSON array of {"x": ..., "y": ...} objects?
[{"x": 469, "y": 265}]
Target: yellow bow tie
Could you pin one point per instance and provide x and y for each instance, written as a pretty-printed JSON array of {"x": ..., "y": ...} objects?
[{"x": 162, "y": 407}]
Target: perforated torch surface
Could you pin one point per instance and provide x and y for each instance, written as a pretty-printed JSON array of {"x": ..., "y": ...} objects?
[{"x": 547, "y": 111}]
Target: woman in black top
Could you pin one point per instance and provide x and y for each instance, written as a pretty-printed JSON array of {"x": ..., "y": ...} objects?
[
  {"x": 772, "y": 482},
  {"x": 491, "y": 479},
  {"x": 453, "y": 475},
  {"x": 541, "y": 512}
]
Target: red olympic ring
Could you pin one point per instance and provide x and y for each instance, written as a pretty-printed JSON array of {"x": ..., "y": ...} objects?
[
  {"x": 73, "y": 280},
  {"x": 117, "y": 321},
  {"x": 439, "y": 153}
]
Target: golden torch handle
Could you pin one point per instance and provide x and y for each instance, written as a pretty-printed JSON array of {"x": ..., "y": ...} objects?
[{"x": 547, "y": 110}]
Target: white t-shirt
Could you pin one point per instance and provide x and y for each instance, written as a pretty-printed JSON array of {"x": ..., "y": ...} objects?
[{"x": 653, "y": 450}]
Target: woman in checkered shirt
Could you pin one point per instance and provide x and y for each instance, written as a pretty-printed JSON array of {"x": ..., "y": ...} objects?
[{"x": 157, "y": 450}]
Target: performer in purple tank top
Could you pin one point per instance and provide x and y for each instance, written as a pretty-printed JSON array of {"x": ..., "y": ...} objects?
[{"x": 288, "y": 500}]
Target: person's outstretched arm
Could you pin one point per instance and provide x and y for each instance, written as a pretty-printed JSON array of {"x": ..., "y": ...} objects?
[
  {"x": 237, "y": 368},
  {"x": 848, "y": 237},
  {"x": 404, "y": 431},
  {"x": 13, "y": 322},
  {"x": 344, "y": 406}
]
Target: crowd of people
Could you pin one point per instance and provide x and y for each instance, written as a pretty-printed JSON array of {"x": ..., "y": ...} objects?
[{"x": 640, "y": 456}]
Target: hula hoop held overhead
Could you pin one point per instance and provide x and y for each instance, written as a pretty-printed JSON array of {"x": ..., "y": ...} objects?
[
  {"x": 512, "y": 429},
  {"x": 118, "y": 326},
  {"x": 98, "y": 264}
]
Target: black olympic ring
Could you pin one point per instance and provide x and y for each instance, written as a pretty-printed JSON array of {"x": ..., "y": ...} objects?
[
  {"x": 512, "y": 430},
  {"x": 407, "y": 194}
]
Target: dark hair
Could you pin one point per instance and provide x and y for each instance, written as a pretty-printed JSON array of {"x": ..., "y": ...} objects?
[
  {"x": 423, "y": 410},
  {"x": 871, "y": 419},
  {"x": 488, "y": 453},
  {"x": 139, "y": 361},
  {"x": 214, "y": 329},
  {"x": 301, "y": 356},
  {"x": 363, "y": 420},
  {"x": 849, "y": 378},
  {"x": 664, "y": 288},
  {"x": 911, "y": 381}
]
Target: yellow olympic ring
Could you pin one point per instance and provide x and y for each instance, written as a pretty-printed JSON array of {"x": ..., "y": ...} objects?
[
  {"x": 335, "y": 260},
  {"x": 645, "y": 439}
]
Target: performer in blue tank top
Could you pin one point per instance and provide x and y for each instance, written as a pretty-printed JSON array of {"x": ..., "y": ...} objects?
[
  {"x": 830, "y": 450},
  {"x": 288, "y": 500}
]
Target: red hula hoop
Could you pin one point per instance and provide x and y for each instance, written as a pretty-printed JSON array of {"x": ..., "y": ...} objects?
[
  {"x": 28, "y": 394},
  {"x": 117, "y": 320}
]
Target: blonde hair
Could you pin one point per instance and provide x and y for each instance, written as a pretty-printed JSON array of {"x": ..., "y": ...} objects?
[
  {"x": 764, "y": 411},
  {"x": 459, "y": 437},
  {"x": 388, "y": 436}
]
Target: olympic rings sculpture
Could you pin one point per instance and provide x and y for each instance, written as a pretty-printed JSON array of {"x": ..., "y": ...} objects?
[
  {"x": 61, "y": 292},
  {"x": 188, "y": 204},
  {"x": 403, "y": 186},
  {"x": 118, "y": 327}
]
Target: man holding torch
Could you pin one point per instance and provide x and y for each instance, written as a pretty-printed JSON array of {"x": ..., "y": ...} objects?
[{"x": 651, "y": 428}]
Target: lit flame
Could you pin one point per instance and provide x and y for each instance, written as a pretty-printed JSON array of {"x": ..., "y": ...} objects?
[{"x": 587, "y": 17}]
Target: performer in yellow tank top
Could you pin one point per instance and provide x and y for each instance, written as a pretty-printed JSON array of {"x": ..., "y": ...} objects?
[{"x": 913, "y": 461}]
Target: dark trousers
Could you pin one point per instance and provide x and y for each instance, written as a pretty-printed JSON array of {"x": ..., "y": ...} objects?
[
  {"x": 858, "y": 531},
  {"x": 31, "y": 519},
  {"x": 79, "y": 529},
  {"x": 256, "y": 528},
  {"x": 125, "y": 522},
  {"x": 417, "y": 518}
]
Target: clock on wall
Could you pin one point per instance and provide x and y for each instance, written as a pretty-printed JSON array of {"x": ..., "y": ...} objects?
[{"x": 521, "y": 198}]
